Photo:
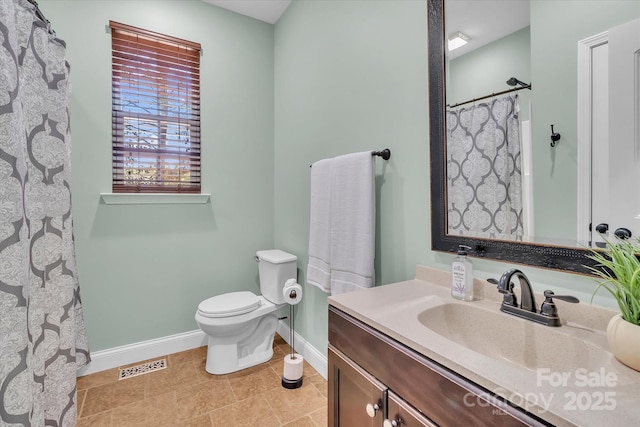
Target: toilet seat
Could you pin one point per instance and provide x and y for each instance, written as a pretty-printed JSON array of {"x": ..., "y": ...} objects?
[{"x": 230, "y": 304}]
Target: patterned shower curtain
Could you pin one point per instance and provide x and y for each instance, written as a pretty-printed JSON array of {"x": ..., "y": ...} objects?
[
  {"x": 42, "y": 334},
  {"x": 484, "y": 179}
]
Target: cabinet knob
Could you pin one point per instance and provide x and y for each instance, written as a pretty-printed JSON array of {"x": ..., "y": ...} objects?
[
  {"x": 390, "y": 423},
  {"x": 372, "y": 409}
]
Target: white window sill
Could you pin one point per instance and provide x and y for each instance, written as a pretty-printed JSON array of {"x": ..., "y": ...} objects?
[{"x": 153, "y": 198}]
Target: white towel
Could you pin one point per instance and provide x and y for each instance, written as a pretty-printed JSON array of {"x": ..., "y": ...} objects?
[
  {"x": 318, "y": 269},
  {"x": 342, "y": 224},
  {"x": 352, "y": 223}
]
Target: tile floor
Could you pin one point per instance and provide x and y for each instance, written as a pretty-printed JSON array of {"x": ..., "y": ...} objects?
[{"x": 184, "y": 395}]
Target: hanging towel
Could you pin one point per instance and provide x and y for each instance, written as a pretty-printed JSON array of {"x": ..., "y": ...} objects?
[
  {"x": 342, "y": 223},
  {"x": 352, "y": 223},
  {"x": 318, "y": 269}
]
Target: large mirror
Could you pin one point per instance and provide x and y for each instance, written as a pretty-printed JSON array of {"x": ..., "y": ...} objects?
[{"x": 551, "y": 45}]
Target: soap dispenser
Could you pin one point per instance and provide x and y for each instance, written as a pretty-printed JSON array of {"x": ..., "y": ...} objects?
[{"x": 462, "y": 275}]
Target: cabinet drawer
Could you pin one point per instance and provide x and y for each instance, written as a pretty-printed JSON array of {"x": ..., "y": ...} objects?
[
  {"x": 432, "y": 389},
  {"x": 403, "y": 414}
]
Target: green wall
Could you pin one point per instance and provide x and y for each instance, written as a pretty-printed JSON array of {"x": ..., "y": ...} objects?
[
  {"x": 352, "y": 76},
  {"x": 485, "y": 70},
  {"x": 556, "y": 28},
  {"x": 144, "y": 268},
  {"x": 331, "y": 77},
  {"x": 552, "y": 40}
]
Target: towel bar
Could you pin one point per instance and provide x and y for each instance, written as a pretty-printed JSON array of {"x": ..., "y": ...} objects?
[{"x": 385, "y": 154}]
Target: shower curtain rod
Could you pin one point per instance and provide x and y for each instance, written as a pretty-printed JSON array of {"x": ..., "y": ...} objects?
[
  {"x": 489, "y": 96},
  {"x": 41, "y": 16}
]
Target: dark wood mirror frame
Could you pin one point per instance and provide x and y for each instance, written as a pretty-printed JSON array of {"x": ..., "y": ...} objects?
[{"x": 567, "y": 259}]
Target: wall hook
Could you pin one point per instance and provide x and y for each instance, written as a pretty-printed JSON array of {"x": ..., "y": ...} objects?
[{"x": 555, "y": 137}]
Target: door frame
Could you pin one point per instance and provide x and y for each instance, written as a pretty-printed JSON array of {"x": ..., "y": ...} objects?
[{"x": 584, "y": 142}]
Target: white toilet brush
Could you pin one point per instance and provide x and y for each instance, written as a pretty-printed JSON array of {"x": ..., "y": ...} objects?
[{"x": 293, "y": 363}]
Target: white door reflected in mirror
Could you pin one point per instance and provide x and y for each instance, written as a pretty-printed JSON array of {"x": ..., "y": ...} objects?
[{"x": 615, "y": 144}]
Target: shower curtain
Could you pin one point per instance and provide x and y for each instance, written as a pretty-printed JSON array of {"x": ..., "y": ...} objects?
[
  {"x": 42, "y": 334},
  {"x": 484, "y": 179}
]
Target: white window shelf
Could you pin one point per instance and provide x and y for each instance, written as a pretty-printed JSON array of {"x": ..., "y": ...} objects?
[{"x": 153, "y": 198}]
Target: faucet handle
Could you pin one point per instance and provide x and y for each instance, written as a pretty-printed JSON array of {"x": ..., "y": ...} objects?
[
  {"x": 549, "y": 295},
  {"x": 549, "y": 308},
  {"x": 509, "y": 297}
]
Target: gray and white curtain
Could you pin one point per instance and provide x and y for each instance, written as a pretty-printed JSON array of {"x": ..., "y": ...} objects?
[
  {"x": 42, "y": 334},
  {"x": 484, "y": 179}
]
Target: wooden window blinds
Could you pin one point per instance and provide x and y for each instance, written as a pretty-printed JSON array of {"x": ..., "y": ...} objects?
[{"x": 155, "y": 112}]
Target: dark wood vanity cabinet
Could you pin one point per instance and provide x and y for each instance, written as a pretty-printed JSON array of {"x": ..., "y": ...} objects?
[
  {"x": 361, "y": 397},
  {"x": 367, "y": 368}
]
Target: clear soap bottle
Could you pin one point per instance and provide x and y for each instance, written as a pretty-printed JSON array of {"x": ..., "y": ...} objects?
[{"x": 462, "y": 275}]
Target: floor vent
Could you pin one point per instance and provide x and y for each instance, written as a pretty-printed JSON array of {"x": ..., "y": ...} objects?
[{"x": 145, "y": 368}]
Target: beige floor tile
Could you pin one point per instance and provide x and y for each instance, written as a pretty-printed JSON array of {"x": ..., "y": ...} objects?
[
  {"x": 99, "y": 420},
  {"x": 305, "y": 421},
  {"x": 199, "y": 399},
  {"x": 249, "y": 382},
  {"x": 201, "y": 421},
  {"x": 114, "y": 395},
  {"x": 185, "y": 395},
  {"x": 278, "y": 354},
  {"x": 277, "y": 339},
  {"x": 80, "y": 400},
  {"x": 290, "y": 405},
  {"x": 99, "y": 378},
  {"x": 196, "y": 354},
  {"x": 153, "y": 412},
  {"x": 251, "y": 412},
  {"x": 173, "y": 378},
  {"x": 319, "y": 382},
  {"x": 320, "y": 417}
]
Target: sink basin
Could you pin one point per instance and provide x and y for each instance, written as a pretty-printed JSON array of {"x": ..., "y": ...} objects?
[{"x": 521, "y": 342}]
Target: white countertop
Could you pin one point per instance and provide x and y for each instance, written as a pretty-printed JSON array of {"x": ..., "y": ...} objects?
[{"x": 608, "y": 395}]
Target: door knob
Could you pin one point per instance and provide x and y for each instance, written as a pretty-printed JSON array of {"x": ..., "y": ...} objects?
[
  {"x": 602, "y": 228},
  {"x": 622, "y": 233}
]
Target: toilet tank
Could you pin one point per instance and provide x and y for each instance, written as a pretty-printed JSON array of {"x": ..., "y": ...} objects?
[{"x": 275, "y": 267}]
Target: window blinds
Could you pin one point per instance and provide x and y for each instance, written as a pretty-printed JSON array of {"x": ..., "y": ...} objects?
[{"x": 155, "y": 112}]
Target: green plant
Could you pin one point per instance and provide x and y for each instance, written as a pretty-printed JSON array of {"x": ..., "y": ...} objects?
[{"x": 619, "y": 267}]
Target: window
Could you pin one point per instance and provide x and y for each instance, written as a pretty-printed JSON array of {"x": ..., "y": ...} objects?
[{"x": 155, "y": 112}]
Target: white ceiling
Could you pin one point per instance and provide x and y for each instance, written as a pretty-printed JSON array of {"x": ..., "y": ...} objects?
[
  {"x": 484, "y": 21},
  {"x": 264, "y": 10}
]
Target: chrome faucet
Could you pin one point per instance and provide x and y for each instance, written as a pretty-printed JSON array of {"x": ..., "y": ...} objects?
[{"x": 548, "y": 314}]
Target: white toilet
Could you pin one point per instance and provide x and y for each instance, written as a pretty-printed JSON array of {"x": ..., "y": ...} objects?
[{"x": 241, "y": 325}]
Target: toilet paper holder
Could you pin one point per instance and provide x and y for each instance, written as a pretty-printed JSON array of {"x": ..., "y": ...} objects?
[{"x": 293, "y": 363}]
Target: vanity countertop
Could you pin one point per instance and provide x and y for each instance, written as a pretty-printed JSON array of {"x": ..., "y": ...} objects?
[{"x": 577, "y": 396}]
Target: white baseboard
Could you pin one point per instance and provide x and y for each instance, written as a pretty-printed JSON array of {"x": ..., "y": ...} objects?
[
  {"x": 136, "y": 352},
  {"x": 131, "y": 353},
  {"x": 312, "y": 355}
]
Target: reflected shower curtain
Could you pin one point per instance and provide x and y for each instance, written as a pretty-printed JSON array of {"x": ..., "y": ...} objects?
[
  {"x": 42, "y": 335},
  {"x": 484, "y": 179}
]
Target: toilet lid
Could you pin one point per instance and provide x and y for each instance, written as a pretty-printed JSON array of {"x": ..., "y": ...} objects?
[{"x": 231, "y": 304}]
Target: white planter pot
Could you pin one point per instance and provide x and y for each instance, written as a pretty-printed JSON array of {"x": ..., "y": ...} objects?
[{"x": 624, "y": 341}]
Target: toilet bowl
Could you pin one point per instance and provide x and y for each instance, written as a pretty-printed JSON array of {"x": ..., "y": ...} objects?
[{"x": 240, "y": 326}]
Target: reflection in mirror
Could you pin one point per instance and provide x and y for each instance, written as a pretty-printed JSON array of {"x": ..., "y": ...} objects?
[
  {"x": 554, "y": 33},
  {"x": 506, "y": 180}
]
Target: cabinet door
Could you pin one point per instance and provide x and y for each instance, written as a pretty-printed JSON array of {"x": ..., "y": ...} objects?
[
  {"x": 355, "y": 397},
  {"x": 401, "y": 414}
]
